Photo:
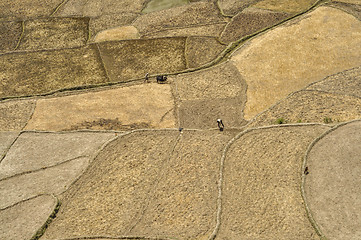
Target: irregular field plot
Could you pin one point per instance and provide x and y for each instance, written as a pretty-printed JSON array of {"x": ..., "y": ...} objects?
[
  {"x": 232, "y": 7},
  {"x": 10, "y": 33},
  {"x": 332, "y": 187},
  {"x": 23, "y": 220},
  {"x": 131, "y": 59},
  {"x": 139, "y": 185},
  {"x": 289, "y": 6},
  {"x": 33, "y": 151},
  {"x": 15, "y": 114},
  {"x": 141, "y": 106},
  {"x": 312, "y": 106},
  {"x": 261, "y": 188},
  {"x": 296, "y": 54},
  {"x": 156, "y": 5},
  {"x": 6, "y": 139},
  {"x": 50, "y": 33},
  {"x": 118, "y": 33},
  {"x": 248, "y": 22},
  {"x": 53, "y": 180},
  {"x": 30, "y": 73},
  {"x": 22, "y": 9}
]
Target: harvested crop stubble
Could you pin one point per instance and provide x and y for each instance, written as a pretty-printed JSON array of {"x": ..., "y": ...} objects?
[
  {"x": 54, "y": 33},
  {"x": 53, "y": 180},
  {"x": 23, "y": 220},
  {"x": 33, "y": 151},
  {"x": 140, "y": 186},
  {"x": 354, "y": 9},
  {"x": 118, "y": 33},
  {"x": 23, "y": 9},
  {"x": 10, "y": 33},
  {"x": 190, "y": 15},
  {"x": 29, "y": 73},
  {"x": 131, "y": 59},
  {"x": 261, "y": 189},
  {"x": 312, "y": 106},
  {"x": 332, "y": 187},
  {"x": 288, "y": 6},
  {"x": 202, "y": 50},
  {"x": 126, "y": 108},
  {"x": 6, "y": 139},
  {"x": 14, "y": 115},
  {"x": 293, "y": 55},
  {"x": 248, "y": 22},
  {"x": 232, "y": 7}
]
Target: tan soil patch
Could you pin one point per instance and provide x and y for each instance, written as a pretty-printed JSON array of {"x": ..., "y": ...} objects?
[
  {"x": 211, "y": 30},
  {"x": 232, "y": 7},
  {"x": 199, "y": 13},
  {"x": 221, "y": 81},
  {"x": 54, "y": 180},
  {"x": 119, "y": 33},
  {"x": 261, "y": 189},
  {"x": 110, "y": 21},
  {"x": 10, "y": 33},
  {"x": 203, "y": 114},
  {"x": 6, "y": 139},
  {"x": 248, "y": 22},
  {"x": 51, "y": 33},
  {"x": 165, "y": 192},
  {"x": 15, "y": 114},
  {"x": 141, "y": 106},
  {"x": 290, "y": 6},
  {"x": 344, "y": 83},
  {"x": 202, "y": 50},
  {"x": 289, "y": 57},
  {"x": 33, "y": 151},
  {"x": 29, "y": 73},
  {"x": 312, "y": 106},
  {"x": 95, "y": 8},
  {"x": 22, "y": 9},
  {"x": 348, "y": 1},
  {"x": 332, "y": 187},
  {"x": 353, "y": 9},
  {"x": 23, "y": 220},
  {"x": 131, "y": 59}
]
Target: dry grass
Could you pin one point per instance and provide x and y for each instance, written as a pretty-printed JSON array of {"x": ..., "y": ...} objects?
[
  {"x": 51, "y": 33},
  {"x": 261, "y": 191},
  {"x": 289, "y": 6},
  {"x": 312, "y": 106},
  {"x": 288, "y": 58},
  {"x": 30, "y": 73},
  {"x": 248, "y": 22},
  {"x": 24, "y": 219},
  {"x": 10, "y": 33},
  {"x": 332, "y": 187},
  {"x": 202, "y": 50},
  {"x": 118, "y": 33},
  {"x": 130, "y": 59},
  {"x": 140, "y": 186},
  {"x": 15, "y": 114},
  {"x": 148, "y": 105}
]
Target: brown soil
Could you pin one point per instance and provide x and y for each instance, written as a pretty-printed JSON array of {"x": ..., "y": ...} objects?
[
  {"x": 344, "y": 83},
  {"x": 52, "y": 33},
  {"x": 130, "y": 59},
  {"x": 289, "y": 6},
  {"x": 202, "y": 50},
  {"x": 232, "y": 7},
  {"x": 33, "y": 151},
  {"x": 199, "y": 13},
  {"x": 332, "y": 187},
  {"x": 30, "y": 73},
  {"x": 15, "y": 114},
  {"x": 210, "y": 30},
  {"x": 23, "y": 9},
  {"x": 163, "y": 192},
  {"x": 10, "y": 33},
  {"x": 148, "y": 105},
  {"x": 250, "y": 21},
  {"x": 261, "y": 190},
  {"x": 23, "y": 220},
  {"x": 312, "y": 106},
  {"x": 293, "y": 55},
  {"x": 54, "y": 180}
]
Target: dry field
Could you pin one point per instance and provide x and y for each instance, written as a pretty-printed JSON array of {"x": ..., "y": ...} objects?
[{"x": 91, "y": 149}]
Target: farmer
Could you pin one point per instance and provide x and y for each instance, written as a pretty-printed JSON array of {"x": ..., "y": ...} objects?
[
  {"x": 146, "y": 77},
  {"x": 220, "y": 124}
]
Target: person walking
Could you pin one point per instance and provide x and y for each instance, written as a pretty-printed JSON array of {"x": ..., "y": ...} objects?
[{"x": 220, "y": 124}]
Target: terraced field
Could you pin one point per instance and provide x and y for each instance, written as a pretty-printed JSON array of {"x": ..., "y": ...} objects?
[{"x": 92, "y": 146}]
